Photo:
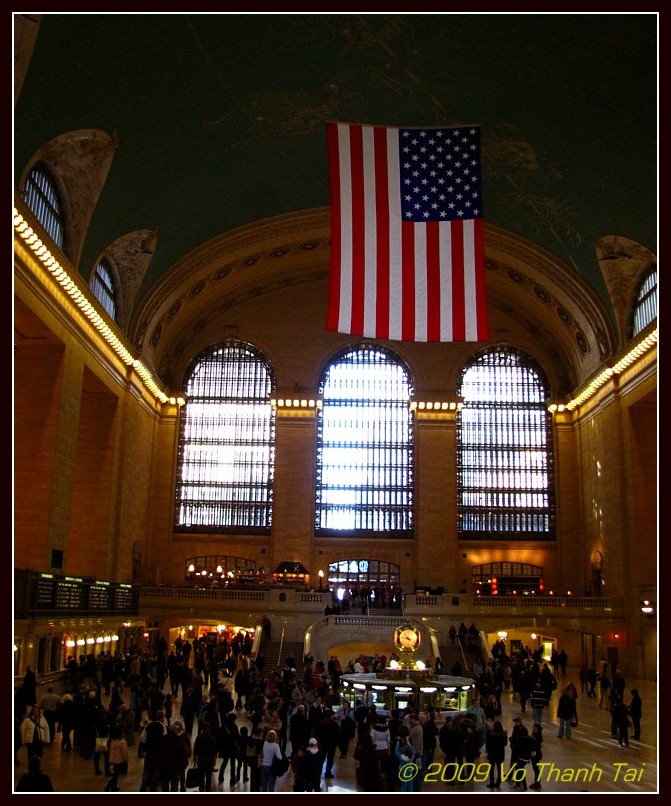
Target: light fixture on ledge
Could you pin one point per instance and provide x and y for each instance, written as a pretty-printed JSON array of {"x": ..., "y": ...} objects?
[
  {"x": 556, "y": 407},
  {"x": 295, "y": 403},
  {"x": 436, "y": 405},
  {"x": 648, "y": 607}
]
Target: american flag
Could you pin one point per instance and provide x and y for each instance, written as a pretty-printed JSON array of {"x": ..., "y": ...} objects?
[{"x": 407, "y": 233}]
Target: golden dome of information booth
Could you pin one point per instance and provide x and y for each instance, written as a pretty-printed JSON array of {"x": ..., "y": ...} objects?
[{"x": 408, "y": 682}]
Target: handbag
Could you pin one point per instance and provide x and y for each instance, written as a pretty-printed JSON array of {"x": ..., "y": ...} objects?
[
  {"x": 101, "y": 744},
  {"x": 192, "y": 778},
  {"x": 279, "y": 766}
]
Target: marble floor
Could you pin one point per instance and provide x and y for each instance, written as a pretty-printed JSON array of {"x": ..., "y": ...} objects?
[{"x": 591, "y": 761}]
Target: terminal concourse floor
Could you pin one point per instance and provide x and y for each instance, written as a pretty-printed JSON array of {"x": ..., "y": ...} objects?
[{"x": 591, "y": 761}]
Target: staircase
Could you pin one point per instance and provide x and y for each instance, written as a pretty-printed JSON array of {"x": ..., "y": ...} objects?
[
  {"x": 451, "y": 653},
  {"x": 275, "y": 652}
]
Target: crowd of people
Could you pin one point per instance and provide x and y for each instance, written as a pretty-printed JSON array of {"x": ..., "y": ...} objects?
[{"x": 192, "y": 717}]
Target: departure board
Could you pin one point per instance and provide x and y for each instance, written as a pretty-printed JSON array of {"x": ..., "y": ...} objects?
[
  {"x": 70, "y": 595},
  {"x": 99, "y": 597},
  {"x": 51, "y": 593},
  {"x": 124, "y": 597}
]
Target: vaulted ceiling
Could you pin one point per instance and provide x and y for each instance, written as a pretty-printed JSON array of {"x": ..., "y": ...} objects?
[{"x": 218, "y": 120}]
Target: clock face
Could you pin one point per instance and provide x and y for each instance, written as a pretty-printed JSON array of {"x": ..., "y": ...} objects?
[{"x": 407, "y": 638}]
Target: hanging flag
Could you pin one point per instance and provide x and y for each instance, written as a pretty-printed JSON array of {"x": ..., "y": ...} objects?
[{"x": 407, "y": 234}]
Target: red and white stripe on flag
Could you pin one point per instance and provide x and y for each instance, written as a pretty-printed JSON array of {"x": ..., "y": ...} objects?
[{"x": 400, "y": 269}]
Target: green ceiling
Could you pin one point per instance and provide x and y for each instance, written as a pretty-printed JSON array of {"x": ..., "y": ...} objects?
[{"x": 221, "y": 117}]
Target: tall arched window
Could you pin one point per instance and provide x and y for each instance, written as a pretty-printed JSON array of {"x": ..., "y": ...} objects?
[
  {"x": 102, "y": 285},
  {"x": 227, "y": 442},
  {"x": 43, "y": 199},
  {"x": 365, "y": 446},
  {"x": 505, "y": 472},
  {"x": 645, "y": 307}
]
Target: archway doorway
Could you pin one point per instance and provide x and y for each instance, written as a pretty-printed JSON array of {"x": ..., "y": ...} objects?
[{"x": 362, "y": 585}]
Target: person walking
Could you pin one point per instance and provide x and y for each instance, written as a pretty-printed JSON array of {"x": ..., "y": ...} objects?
[
  {"x": 311, "y": 766},
  {"x": 592, "y": 678},
  {"x": 382, "y": 740},
  {"x": 118, "y": 758},
  {"x": 205, "y": 756},
  {"x": 253, "y": 753},
  {"x": 35, "y": 780},
  {"x": 299, "y": 728},
  {"x": 228, "y": 739},
  {"x": 518, "y": 727},
  {"x": 150, "y": 742},
  {"x": 566, "y": 713},
  {"x": 328, "y": 737},
  {"x": 67, "y": 717},
  {"x": 636, "y": 712},
  {"x": 347, "y": 725},
  {"x": 620, "y": 721},
  {"x": 583, "y": 677},
  {"x": 50, "y": 703},
  {"x": 367, "y": 775},
  {"x": 29, "y": 686},
  {"x": 538, "y": 702},
  {"x": 495, "y": 746},
  {"x": 405, "y": 754},
  {"x": 524, "y": 747},
  {"x": 269, "y": 751},
  {"x": 416, "y": 736},
  {"x": 35, "y": 732},
  {"x": 604, "y": 688},
  {"x": 184, "y": 752},
  {"x": 536, "y": 754}
]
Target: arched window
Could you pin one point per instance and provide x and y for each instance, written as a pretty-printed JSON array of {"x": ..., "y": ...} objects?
[
  {"x": 102, "y": 285},
  {"x": 227, "y": 443},
  {"x": 43, "y": 199},
  {"x": 645, "y": 307},
  {"x": 504, "y": 450},
  {"x": 507, "y": 579},
  {"x": 365, "y": 446}
]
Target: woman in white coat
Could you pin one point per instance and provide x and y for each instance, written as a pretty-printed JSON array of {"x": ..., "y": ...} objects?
[{"x": 35, "y": 732}]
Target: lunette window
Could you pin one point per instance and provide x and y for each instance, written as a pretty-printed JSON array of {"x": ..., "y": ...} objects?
[
  {"x": 227, "y": 443},
  {"x": 102, "y": 286},
  {"x": 43, "y": 199},
  {"x": 365, "y": 446},
  {"x": 645, "y": 309},
  {"x": 505, "y": 463}
]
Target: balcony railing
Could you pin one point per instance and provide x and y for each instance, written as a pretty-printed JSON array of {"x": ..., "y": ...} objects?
[{"x": 280, "y": 598}]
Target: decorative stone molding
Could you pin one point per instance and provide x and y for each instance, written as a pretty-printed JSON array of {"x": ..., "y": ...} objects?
[
  {"x": 26, "y": 28},
  {"x": 132, "y": 254},
  {"x": 81, "y": 159},
  {"x": 623, "y": 263},
  {"x": 557, "y": 310}
]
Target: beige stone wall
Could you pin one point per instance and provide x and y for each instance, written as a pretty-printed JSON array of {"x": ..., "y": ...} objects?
[{"x": 96, "y": 454}]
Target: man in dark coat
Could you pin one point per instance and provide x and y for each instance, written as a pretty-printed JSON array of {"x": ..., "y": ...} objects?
[
  {"x": 151, "y": 740},
  {"x": 299, "y": 729},
  {"x": 205, "y": 754},
  {"x": 328, "y": 736}
]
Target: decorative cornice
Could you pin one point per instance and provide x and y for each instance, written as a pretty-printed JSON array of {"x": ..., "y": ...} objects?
[{"x": 553, "y": 304}]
